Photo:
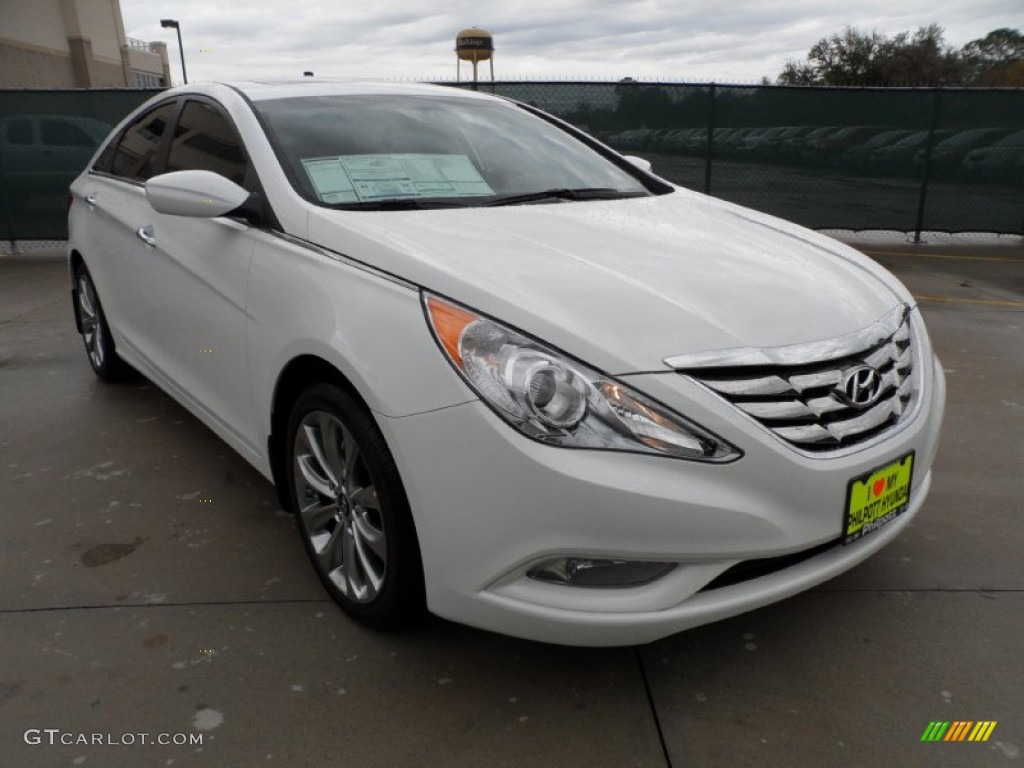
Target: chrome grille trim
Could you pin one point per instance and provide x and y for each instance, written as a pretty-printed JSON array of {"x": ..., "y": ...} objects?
[
  {"x": 801, "y": 402},
  {"x": 804, "y": 382},
  {"x": 777, "y": 409},
  {"x": 798, "y": 354}
]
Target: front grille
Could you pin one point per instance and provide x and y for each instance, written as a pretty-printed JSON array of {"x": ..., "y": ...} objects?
[{"x": 803, "y": 400}]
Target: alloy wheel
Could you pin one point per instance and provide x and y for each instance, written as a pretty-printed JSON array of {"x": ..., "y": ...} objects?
[
  {"x": 340, "y": 513},
  {"x": 92, "y": 328}
]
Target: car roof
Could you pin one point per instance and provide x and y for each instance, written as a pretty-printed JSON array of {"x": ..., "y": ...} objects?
[{"x": 261, "y": 90}]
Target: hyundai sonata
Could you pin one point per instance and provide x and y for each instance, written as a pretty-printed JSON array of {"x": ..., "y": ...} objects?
[{"x": 497, "y": 370}]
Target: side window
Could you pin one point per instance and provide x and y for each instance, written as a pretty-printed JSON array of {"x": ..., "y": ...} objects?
[
  {"x": 106, "y": 156},
  {"x": 204, "y": 140},
  {"x": 19, "y": 131},
  {"x": 139, "y": 144}
]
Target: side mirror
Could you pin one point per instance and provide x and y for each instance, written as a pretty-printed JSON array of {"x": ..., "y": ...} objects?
[
  {"x": 202, "y": 194},
  {"x": 639, "y": 162}
]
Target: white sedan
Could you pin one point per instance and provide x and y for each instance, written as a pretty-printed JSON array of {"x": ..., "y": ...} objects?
[{"x": 497, "y": 370}]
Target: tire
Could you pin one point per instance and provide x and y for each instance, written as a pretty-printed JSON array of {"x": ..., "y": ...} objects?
[
  {"x": 351, "y": 509},
  {"x": 99, "y": 342}
]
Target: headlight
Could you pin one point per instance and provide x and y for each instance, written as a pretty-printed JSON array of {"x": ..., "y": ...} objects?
[{"x": 554, "y": 399}]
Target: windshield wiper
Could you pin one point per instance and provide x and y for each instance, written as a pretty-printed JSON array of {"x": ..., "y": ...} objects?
[
  {"x": 419, "y": 203},
  {"x": 585, "y": 193},
  {"x": 402, "y": 204}
]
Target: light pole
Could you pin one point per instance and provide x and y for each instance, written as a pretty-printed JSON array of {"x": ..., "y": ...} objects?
[{"x": 173, "y": 23}]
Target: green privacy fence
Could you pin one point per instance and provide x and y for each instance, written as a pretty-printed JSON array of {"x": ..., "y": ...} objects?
[
  {"x": 906, "y": 159},
  {"x": 46, "y": 138},
  {"x": 903, "y": 159}
]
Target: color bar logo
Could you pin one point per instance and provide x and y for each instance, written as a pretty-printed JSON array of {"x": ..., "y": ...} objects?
[{"x": 959, "y": 730}]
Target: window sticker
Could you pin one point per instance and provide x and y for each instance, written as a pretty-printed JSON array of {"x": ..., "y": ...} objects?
[
  {"x": 330, "y": 181},
  {"x": 355, "y": 178}
]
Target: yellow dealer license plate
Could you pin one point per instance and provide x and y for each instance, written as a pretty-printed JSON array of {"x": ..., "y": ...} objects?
[{"x": 880, "y": 496}]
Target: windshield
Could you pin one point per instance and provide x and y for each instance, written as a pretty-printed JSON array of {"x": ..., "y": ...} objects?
[{"x": 374, "y": 151}]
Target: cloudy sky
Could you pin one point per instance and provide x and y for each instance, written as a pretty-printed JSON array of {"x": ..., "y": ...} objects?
[{"x": 673, "y": 40}]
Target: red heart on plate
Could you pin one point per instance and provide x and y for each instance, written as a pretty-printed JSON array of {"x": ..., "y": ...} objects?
[{"x": 878, "y": 487}]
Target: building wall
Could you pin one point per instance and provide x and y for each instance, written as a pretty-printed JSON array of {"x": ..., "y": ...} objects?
[
  {"x": 73, "y": 44},
  {"x": 149, "y": 69},
  {"x": 24, "y": 66},
  {"x": 38, "y": 23},
  {"x": 98, "y": 23}
]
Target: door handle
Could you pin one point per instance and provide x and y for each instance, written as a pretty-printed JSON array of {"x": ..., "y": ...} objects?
[
  {"x": 91, "y": 199},
  {"x": 145, "y": 234}
]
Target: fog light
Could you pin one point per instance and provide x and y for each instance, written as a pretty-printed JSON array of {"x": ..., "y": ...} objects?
[{"x": 591, "y": 572}]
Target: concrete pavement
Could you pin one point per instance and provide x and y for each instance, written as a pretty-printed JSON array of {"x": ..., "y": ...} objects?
[{"x": 150, "y": 584}]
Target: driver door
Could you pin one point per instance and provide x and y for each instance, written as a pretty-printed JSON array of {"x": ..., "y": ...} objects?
[{"x": 199, "y": 267}]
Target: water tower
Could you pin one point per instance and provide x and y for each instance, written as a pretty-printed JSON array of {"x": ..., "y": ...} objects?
[{"x": 475, "y": 45}]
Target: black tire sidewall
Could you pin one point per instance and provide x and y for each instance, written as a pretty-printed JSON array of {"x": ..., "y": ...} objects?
[
  {"x": 400, "y": 600},
  {"x": 113, "y": 367}
]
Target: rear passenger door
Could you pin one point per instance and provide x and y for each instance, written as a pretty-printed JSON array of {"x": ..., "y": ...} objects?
[{"x": 110, "y": 207}]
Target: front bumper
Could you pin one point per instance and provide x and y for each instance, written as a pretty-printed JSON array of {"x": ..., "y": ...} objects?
[{"x": 489, "y": 504}]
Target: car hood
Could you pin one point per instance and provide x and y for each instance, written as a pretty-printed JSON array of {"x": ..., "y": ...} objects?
[{"x": 623, "y": 284}]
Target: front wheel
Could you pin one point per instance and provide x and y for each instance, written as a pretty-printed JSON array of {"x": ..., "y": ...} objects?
[{"x": 351, "y": 509}]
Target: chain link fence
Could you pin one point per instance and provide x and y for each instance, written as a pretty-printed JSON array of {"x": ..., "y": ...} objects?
[{"x": 903, "y": 159}]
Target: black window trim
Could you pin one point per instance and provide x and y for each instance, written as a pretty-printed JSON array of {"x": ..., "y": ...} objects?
[
  {"x": 272, "y": 140},
  {"x": 252, "y": 181},
  {"x": 161, "y": 149},
  {"x": 219, "y": 109}
]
